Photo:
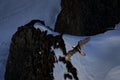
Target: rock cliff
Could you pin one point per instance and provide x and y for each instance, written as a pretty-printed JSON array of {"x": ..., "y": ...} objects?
[
  {"x": 87, "y": 17},
  {"x": 32, "y": 57}
]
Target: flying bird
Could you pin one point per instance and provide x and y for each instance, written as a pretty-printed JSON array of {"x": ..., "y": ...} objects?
[{"x": 77, "y": 48}]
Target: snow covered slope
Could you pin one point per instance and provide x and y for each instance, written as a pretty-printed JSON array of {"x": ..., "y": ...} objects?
[
  {"x": 103, "y": 55},
  {"x": 102, "y": 61},
  {"x": 14, "y": 13}
]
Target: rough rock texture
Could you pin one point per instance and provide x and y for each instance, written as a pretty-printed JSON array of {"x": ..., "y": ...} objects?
[
  {"x": 31, "y": 56},
  {"x": 87, "y": 17},
  {"x": 70, "y": 69}
]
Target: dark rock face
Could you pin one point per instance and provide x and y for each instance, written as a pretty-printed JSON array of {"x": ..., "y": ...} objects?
[
  {"x": 31, "y": 56},
  {"x": 87, "y": 17},
  {"x": 70, "y": 69}
]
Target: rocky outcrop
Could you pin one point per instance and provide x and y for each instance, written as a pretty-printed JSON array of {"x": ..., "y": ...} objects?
[
  {"x": 31, "y": 56},
  {"x": 87, "y": 17}
]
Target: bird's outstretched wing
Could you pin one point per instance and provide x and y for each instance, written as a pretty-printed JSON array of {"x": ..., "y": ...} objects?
[
  {"x": 81, "y": 52},
  {"x": 84, "y": 41},
  {"x": 69, "y": 54}
]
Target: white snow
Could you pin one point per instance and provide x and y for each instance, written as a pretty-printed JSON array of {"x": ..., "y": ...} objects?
[
  {"x": 102, "y": 61},
  {"x": 103, "y": 54},
  {"x": 14, "y": 13},
  {"x": 113, "y": 74}
]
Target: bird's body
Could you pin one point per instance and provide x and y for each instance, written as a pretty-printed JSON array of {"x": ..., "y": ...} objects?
[{"x": 77, "y": 49}]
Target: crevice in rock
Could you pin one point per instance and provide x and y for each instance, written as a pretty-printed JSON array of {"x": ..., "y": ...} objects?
[{"x": 70, "y": 69}]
